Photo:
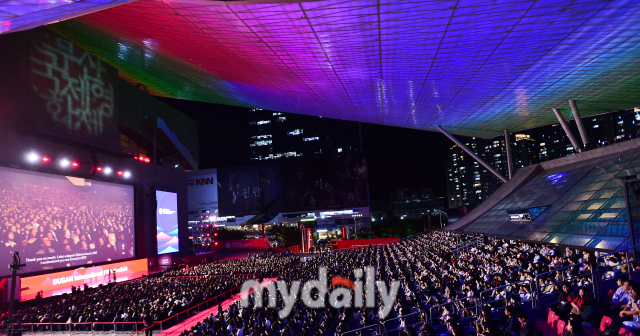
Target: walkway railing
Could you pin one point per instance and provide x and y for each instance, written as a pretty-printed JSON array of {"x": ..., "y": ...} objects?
[
  {"x": 454, "y": 310},
  {"x": 216, "y": 300},
  {"x": 467, "y": 245},
  {"x": 135, "y": 327}
]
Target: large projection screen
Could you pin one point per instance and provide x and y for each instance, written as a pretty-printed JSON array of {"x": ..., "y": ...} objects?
[
  {"x": 56, "y": 221},
  {"x": 167, "y": 222}
]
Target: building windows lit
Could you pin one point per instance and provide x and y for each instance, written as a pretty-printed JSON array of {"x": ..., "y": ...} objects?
[{"x": 261, "y": 143}]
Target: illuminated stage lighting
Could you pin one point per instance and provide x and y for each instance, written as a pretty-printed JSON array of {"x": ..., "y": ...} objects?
[
  {"x": 119, "y": 172},
  {"x": 45, "y": 159},
  {"x": 64, "y": 163},
  {"x": 75, "y": 164},
  {"x": 99, "y": 168},
  {"x": 107, "y": 171},
  {"x": 126, "y": 174},
  {"x": 33, "y": 157}
]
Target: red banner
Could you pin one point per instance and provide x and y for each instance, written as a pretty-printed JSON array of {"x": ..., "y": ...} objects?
[
  {"x": 61, "y": 282},
  {"x": 358, "y": 243},
  {"x": 260, "y": 243},
  {"x": 292, "y": 248}
]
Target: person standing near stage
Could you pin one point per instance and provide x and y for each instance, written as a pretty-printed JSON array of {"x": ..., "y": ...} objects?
[{"x": 148, "y": 322}]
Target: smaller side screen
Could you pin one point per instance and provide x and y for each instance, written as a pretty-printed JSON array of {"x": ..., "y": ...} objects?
[{"x": 167, "y": 222}]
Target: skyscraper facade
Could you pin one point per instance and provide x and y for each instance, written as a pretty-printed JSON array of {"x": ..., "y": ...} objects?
[
  {"x": 469, "y": 183},
  {"x": 274, "y": 135}
]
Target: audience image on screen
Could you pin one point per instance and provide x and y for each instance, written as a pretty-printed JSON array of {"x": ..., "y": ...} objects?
[{"x": 40, "y": 221}]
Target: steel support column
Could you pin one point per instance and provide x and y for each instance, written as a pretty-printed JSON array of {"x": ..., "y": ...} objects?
[
  {"x": 581, "y": 129},
  {"x": 507, "y": 144},
  {"x": 566, "y": 129},
  {"x": 470, "y": 152}
]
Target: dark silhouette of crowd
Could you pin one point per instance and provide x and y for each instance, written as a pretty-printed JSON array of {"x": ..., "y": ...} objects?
[
  {"x": 266, "y": 264},
  {"x": 126, "y": 302}
]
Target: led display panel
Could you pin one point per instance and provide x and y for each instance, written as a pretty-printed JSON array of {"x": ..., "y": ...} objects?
[
  {"x": 167, "y": 222},
  {"x": 56, "y": 221}
]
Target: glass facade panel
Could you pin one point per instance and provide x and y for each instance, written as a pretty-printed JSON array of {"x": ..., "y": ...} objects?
[{"x": 586, "y": 205}]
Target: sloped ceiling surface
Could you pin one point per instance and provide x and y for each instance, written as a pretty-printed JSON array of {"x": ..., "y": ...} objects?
[{"x": 474, "y": 67}]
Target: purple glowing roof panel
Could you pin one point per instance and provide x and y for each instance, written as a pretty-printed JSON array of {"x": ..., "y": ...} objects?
[
  {"x": 26, "y": 14},
  {"x": 474, "y": 67}
]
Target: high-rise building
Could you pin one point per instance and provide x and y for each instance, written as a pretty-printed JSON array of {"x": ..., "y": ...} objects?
[
  {"x": 469, "y": 183},
  {"x": 274, "y": 135}
]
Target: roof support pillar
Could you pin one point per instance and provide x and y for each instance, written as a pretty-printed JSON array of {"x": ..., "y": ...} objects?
[
  {"x": 470, "y": 152},
  {"x": 581, "y": 129},
  {"x": 507, "y": 143},
  {"x": 566, "y": 129}
]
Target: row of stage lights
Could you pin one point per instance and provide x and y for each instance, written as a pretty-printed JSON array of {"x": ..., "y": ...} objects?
[{"x": 64, "y": 163}]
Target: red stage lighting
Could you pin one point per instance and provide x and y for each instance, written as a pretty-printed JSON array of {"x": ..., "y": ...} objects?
[
  {"x": 45, "y": 159},
  {"x": 99, "y": 168},
  {"x": 75, "y": 164},
  {"x": 119, "y": 172},
  {"x": 147, "y": 160}
]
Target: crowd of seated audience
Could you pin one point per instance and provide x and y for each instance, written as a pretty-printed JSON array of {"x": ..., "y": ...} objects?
[
  {"x": 266, "y": 264},
  {"x": 42, "y": 221},
  {"x": 159, "y": 297},
  {"x": 442, "y": 288}
]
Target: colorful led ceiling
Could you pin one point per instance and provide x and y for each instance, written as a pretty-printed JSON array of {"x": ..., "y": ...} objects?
[
  {"x": 26, "y": 14},
  {"x": 475, "y": 67}
]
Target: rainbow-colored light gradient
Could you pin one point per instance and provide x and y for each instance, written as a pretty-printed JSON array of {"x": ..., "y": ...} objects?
[{"x": 474, "y": 67}]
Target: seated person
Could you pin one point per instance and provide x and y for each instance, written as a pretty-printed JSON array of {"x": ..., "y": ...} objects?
[
  {"x": 512, "y": 325},
  {"x": 632, "y": 311},
  {"x": 591, "y": 313},
  {"x": 564, "y": 307},
  {"x": 621, "y": 298},
  {"x": 529, "y": 328},
  {"x": 574, "y": 328}
]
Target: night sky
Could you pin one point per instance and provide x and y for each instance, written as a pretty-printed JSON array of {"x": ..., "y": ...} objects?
[{"x": 396, "y": 157}]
